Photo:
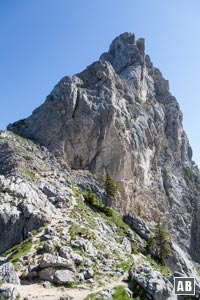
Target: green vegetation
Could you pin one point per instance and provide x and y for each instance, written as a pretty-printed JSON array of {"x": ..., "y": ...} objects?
[
  {"x": 139, "y": 292},
  {"x": 40, "y": 229},
  {"x": 18, "y": 251},
  {"x": 109, "y": 214},
  {"x": 187, "y": 171},
  {"x": 126, "y": 263},
  {"x": 56, "y": 247},
  {"x": 28, "y": 174},
  {"x": 160, "y": 242},
  {"x": 6, "y": 298},
  {"x": 110, "y": 185},
  {"x": 149, "y": 244},
  {"x": 164, "y": 270},
  {"x": 83, "y": 212},
  {"x": 75, "y": 189},
  {"x": 187, "y": 174},
  {"x": 70, "y": 284},
  {"x": 120, "y": 293},
  {"x": 76, "y": 230},
  {"x": 116, "y": 218},
  {"x": 164, "y": 172},
  {"x": 90, "y": 198},
  {"x": 134, "y": 247}
]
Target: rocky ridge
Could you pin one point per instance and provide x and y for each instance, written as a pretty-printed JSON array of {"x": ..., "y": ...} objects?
[{"x": 116, "y": 115}]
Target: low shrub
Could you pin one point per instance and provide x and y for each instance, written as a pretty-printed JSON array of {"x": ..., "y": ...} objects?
[{"x": 108, "y": 211}]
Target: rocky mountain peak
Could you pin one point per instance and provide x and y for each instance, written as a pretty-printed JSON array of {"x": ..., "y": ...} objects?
[
  {"x": 116, "y": 117},
  {"x": 119, "y": 115},
  {"x": 125, "y": 51}
]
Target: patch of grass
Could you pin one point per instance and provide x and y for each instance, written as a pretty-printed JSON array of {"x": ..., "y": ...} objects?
[
  {"x": 120, "y": 293},
  {"x": 39, "y": 230},
  {"x": 18, "y": 251},
  {"x": 70, "y": 284},
  {"x": 59, "y": 229},
  {"x": 27, "y": 173},
  {"x": 56, "y": 247},
  {"x": 116, "y": 218},
  {"x": 109, "y": 214},
  {"x": 34, "y": 232},
  {"x": 77, "y": 191},
  {"x": 90, "y": 198},
  {"x": 75, "y": 230},
  {"x": 164, "y": 270},
  {"x": 82, "y": 210},
  {"x": 126, "y": 263},
  {"x": 134, "y": 248}
]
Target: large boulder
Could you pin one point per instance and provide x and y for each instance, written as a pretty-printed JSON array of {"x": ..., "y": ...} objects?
[
  {"x": 86, "y": 246},
  {"x": 57, "y": 275},
  {"x": 64, "y": 276},
  {"x": 68, "y": 253},
  {"x": 8, "y": 293},
  {"x": 22, "y": 209},
  {"x": 8, "y": 274},
  {"x": 50, "y": 260},
  {"x": 155, "y": 285},
  {"x": 47, "y": 274},
  {"x": 138, "y": 225}
]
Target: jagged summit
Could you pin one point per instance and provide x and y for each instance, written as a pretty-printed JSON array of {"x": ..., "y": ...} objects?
[
  {"x": 119, "y": 115},
  {"x": 125, "y": 51}
]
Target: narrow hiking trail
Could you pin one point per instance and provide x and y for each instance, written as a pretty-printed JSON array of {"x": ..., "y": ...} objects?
[{"x": 37, "y": 291}]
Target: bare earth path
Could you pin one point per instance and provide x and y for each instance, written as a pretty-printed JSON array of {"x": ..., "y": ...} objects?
[{"x": 36, "y": 291}]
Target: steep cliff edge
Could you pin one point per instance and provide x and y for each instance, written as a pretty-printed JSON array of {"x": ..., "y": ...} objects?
[{"x": 119, "y": 115}]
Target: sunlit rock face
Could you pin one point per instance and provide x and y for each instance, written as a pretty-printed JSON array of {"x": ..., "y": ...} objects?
[{"x": 119, "y": 115}]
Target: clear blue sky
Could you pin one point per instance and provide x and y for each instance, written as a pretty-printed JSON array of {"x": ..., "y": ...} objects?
[{"x": 44, "y": 40}]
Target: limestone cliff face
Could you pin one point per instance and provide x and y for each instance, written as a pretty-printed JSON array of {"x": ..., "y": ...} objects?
[{"x": 119, "y": 115}]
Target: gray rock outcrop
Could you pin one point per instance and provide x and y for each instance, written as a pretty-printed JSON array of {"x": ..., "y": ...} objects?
[
  {"x": 22, "y": 209},
  {"x": 8, "y": 293},
  {"x": 8, "y": 274},
  {"x": 156, "y": 286},
  {"x": 49, "y": 260},
  {"x": 138, "y": 225}
]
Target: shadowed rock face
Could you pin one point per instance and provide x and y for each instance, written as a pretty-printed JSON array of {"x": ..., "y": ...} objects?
[{"x": 119, "y": 115}]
